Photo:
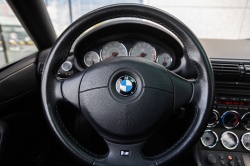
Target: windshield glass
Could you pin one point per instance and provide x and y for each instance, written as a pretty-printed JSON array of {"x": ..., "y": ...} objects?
[
  {"x": 15, "y": 43},
  {"x": 214, "y": 19}
]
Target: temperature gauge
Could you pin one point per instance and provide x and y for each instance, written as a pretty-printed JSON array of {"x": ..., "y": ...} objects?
[
  {"x": 209, "y": 139},
  {"x": 165, "y": 60},
  {"x": 245, "y": 140},
  {"x": 91, "y": 58}
]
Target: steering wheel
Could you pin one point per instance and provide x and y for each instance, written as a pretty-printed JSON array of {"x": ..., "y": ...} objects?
[{"x": 126, "y": 99}]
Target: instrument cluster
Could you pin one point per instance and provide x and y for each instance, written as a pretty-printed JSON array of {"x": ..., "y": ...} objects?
[{"x": 129, "y": 47}]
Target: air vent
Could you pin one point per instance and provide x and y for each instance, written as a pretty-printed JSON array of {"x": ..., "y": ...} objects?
[
  {"x": 40, "y": 70},
  {"x": 228, "y": 71},
  {"x": 233, "y": 86},
  {"x": 247, "y": 70}
]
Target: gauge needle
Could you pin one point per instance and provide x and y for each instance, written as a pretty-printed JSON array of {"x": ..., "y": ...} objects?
[
  {"x": 164, "y": 63},
  {"x": 114, "y": 54},
  {"x": 142, "y": 55}
]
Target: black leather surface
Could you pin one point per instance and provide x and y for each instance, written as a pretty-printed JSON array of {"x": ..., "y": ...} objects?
[
  {"x": 18, "y": 80},
  {"x": 203, "y": 86},
  {"x": 4, "y": 136}
]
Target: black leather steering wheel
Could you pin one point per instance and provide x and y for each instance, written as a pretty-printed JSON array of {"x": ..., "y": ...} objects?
[{"x": 127, "y": 120}]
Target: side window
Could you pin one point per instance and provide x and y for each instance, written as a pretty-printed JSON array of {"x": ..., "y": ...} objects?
[{"x": 15, "y": 43}]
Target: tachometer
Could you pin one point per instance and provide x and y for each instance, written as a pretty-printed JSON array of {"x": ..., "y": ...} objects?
[
  {"x": 209, "y": 139},
  {"x": 91, "y": 58},
  {"x": 113, "y": 49},
  {"x": 229, "y": 140},
  {"x": 143, "y": 49},
  {"x": 245, "y": 140}
]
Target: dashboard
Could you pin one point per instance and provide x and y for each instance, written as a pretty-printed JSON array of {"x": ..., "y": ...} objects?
[{"x": 226, "y": 140}]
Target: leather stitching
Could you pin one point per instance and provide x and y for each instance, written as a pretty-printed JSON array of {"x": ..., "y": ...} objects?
[
  {"x": 69, "y": 132},
  {"x": 171, "y": 148}
]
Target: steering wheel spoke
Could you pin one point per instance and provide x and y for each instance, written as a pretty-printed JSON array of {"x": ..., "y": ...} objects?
[
  {"x": 183, "y": 90},
  {"x": 70, "y": 89},
  {"x": 124, "y": 154}
]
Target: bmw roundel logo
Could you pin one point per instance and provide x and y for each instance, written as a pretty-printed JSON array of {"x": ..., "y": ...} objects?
[{"x": 126, "y": 85}]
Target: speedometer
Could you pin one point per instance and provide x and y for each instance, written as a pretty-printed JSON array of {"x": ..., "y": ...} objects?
[
  {"x": 113, "y": 49},
  {"x": 143, "y": 49}
]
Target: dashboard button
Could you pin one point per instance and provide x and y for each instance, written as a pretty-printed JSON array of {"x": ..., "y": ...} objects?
[
  {"x": 221, "y": 156},
  {"x": 238, "y": 160},
  {"x": 67, "y": 66},
  {"x": 229, "y": 157},
  {"x": 222, "y": 107},
  {"x": 223, "y": 98},
  {"x": 233, "y": 108},
  {"x": 231, "y": 163},
  {"x": 211, "y": 159},
  {"x": 247, "y": 100},
  {"x": 243, "y": 108},
  {"x": 222, "y": 163},
  {"x": 234, "y": 99}
]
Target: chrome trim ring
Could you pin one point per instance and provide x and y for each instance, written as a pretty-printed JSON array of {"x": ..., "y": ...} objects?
[
  {"x": 216, "y": 141},
  {"x": 242, "y": 141},
  {"x": 243, "y": 118},
  {"x": 70, "y": 64},
  {"x": 216, "y": 123},
  {"x": 237, "y": 140},
  {"x": 123, "y": 20},
  {"x": 146, "y": 43},
  {"x": 237, "y": 122},
  {"x": 90, "y": 52},
  {"x": 157, "y": 59},
  {"x": 117, "y": 49}
]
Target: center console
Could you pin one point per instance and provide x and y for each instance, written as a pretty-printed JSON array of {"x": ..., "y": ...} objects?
[{"x": 226, "y": 140}]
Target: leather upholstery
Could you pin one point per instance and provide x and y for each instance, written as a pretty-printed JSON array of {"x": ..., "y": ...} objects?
[
  {"x": 4, "y": 136},
  {"x": 203, "y": 86}
]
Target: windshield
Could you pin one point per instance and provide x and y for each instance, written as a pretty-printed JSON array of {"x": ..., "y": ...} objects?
[{"x": 214, "y": 19}]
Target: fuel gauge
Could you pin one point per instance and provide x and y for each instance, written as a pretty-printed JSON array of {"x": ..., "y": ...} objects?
[
  {"x": 91, "y": 58},
  {"x": 165, "y": 60}
]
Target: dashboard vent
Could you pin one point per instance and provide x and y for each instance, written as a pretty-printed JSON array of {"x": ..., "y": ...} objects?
[
  {"x": 233, "y": 86},
  {"x": 228, "y": 71},
  {"x": 40, "y": 69},
  {"x": 247, "y": 70}
]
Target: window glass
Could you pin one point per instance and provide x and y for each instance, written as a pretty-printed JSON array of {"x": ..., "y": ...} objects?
[
  {"x": 217, "y": 19},
  {"x": 15, "y": 43}
]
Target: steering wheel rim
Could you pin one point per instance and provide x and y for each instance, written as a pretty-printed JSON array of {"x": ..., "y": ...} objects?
[{"x": 53, "y": 91}]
